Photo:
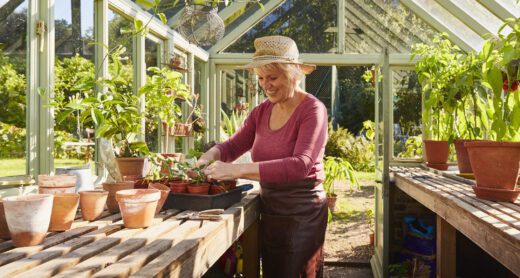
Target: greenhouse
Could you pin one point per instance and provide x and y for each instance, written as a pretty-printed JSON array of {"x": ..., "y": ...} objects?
[{"x": 132, "y": 141}]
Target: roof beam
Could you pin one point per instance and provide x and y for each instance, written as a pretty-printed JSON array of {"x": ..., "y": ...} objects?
[
  {"x": 443, "y": 21},
  {"x": 502, "y": 9},
  {"x": 469, "y": 17},
  {"x": 241, "y": 29},
  {"x": 231, "y": 9}
]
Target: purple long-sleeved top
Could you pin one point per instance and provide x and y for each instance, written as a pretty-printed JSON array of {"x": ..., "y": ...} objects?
[{"x": 291, "y": 153}]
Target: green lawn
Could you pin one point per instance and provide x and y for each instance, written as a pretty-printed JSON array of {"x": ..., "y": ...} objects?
[{"x": 14, "y": 167}]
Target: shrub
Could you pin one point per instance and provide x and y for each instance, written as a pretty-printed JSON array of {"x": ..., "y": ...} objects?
[{"x": 12, "y": 141}]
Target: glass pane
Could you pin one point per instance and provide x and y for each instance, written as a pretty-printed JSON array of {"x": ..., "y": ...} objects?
[
  {"x": 152, "y": 60},
  {"x": 307, "y": 22},
  {"x": 13, "y": 86},
  {"x": 73, "y": 141},
  {"x": 407, "y": 115},
  {"x": 120, "y": 34},
  {"x": 377, "y": 24},
  {"x": 236, "y": 95}
]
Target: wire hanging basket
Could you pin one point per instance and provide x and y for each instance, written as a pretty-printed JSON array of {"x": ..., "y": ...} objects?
[{"x": 201, "y": 24}]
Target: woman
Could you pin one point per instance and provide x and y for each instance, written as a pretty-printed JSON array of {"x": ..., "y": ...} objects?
[{"x": 286, "y": 134}]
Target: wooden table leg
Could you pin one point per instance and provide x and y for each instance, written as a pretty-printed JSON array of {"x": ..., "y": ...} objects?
[
  {"x": 250, "y": 246},
  {"x": 446, "y": 249}
]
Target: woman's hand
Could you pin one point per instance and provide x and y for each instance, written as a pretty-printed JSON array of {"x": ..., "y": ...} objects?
[{"x": 219, "y": 170}]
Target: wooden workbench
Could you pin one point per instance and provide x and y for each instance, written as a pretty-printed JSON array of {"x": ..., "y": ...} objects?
[
  {"x": 170, "y": 247},
  {"x": 494, "y": 226}
]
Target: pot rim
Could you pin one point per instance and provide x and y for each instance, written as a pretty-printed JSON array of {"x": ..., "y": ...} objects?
[
  {"x": 27, "y": 198},
  {"x": 489, "y": 143}
]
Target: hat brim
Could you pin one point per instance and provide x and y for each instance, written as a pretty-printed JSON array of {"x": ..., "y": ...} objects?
[{"x": 306, "y": 68}]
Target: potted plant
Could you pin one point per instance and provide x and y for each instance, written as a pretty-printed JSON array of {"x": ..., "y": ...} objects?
[
  {"x": 199, "y": 182},
  {"x": 337, "y": 169},
  {"x": 177, "y": 178},
  {"x": 115, "y": 112},
  {"x": 436, "y": 72},
  {"x": 369, "y": 218},
  {"x": 496, "y": 162}
]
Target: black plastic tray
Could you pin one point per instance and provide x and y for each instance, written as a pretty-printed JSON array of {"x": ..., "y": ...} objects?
[{"x": 203, "y": 202}]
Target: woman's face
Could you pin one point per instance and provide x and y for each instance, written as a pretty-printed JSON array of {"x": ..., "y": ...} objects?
[{"x": 277, "y": 86}]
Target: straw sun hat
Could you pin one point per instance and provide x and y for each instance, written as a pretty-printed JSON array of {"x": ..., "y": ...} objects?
[{"x": 277, "y": 49}]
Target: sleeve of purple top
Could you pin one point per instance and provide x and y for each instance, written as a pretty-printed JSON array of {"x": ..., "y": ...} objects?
[
  {"x": 311, "y": 139},
  {"x": 241, "y": 141}
]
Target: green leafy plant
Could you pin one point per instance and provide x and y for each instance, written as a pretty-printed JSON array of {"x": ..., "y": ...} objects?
[
  {"x": 338, "y": 169},
  {"x": 231, "y": 123},
  {"x": 501, "y": 74}
]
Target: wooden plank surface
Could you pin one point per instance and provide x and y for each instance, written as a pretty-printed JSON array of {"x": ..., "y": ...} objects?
[
  {"x": 494, "y": 226},
  {"x": 105, "y": 248}
]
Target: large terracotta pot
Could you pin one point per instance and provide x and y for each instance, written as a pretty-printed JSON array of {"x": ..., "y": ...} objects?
[
  {"x": 57, "y": 184},
  {"x": 112, "y": 188},
  {"x": 165, "y": 191},
  {"x": 138, "y": 206},
  {"x": 437, "y": 154},
  {"x": 132, "y": 166},
  {"x": 28, "y": 218},
  {"x": 496, "y": 166},
  {"x": 4, "y": 230},
  {"x": 64, "y": 210},
  {"x": 92, "y": 203}
]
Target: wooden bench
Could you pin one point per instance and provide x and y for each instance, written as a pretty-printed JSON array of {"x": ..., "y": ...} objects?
[
  {"x": 170, "y": 247},
  {"x": 494, "y": 226}
]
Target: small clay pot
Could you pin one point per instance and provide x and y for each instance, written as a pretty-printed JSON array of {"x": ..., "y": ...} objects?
[
  {"x": 331, "y": 202},
  {"x": 64, "y": 210},
  {"x": 28, "y": 218},
  {"x": 57, "y": 184},
  {"x": 179, "y": 186},
  {"x": 200, "y": 188},
  {"x": 129, "y": 166},
  {"x": 4, "y": 230},
  {"x": 165, "y": 191},
  {"x": 92, "y": 203},
  {"x": 112, "y": 188},
  {"x": 437, "y": 152},
  {"x": 138, "y": 206}
]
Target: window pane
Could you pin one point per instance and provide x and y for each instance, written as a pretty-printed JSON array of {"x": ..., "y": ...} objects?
[
  {"x": 407, "y": 115},
  {"x": 152, "y": 60},
  {"x": 73, "y": 141},
  {"x": 13, "y": 86}
]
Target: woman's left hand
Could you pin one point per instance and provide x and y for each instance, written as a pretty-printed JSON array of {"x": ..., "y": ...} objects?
[{"x": 219, "y": 170}]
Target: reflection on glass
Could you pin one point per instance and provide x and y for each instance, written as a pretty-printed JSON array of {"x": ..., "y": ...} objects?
[
  {"x": 74, "y": 141},
  {"x": 407, "y": 115},
  {"x": 13, "y": 83}
]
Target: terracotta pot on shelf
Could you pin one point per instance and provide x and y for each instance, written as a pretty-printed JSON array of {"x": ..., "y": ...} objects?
[
  {"x": 176, "y": 158},
  {"x": 331, "y": 202},
  {"x": 64, "y": 210},
  {"x": 4, "y": 230},
  {"x": 132, "y": 166},
  {"x": 180, "y": 129},
  {"x": 179, "y": 186},
  {"x": 496, "y": 166},
  {"x": 198, "y": 188},
  {"x": 165, "y": 191},
  {"x": 112, "y": 188},
  {"x": 28, "y": 218},
  {"x": 92, "y": 203},
  {"x": 437, "y": 154},
  {"x": 462, "y": 155},
  {"x": 138, "y": 206},
  {"x": 57, "y": 184}
]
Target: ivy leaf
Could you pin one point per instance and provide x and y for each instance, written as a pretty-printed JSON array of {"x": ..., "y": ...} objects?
[{"x": 163, "y": 18}]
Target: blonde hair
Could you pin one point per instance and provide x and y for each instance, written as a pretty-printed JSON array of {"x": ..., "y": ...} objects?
[{"x": 291, "y": 71}]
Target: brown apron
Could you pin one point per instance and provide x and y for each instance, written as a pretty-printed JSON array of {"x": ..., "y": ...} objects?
[{"x": 293, "y": 223}]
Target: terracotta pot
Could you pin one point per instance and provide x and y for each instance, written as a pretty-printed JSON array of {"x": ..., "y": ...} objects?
[
  {"x": 165, "y": 191},
  {"x": 92, "y": 203},
  {"x": 462, "y": 156},
  {"x": 222, "y": 187},
  {"x": 496, "y": 166},
  {"x": 57, "y": 184},
  {"x": 437, "y": 153},
  {"x": 331, "y": 202},
  {"x": 28, "y": 218},
  {"x": 4, "y": 230},
  {"x": 112, "y": 188},
  {"x": 138, "y": 206},
  {"x": 176, "y": 157},
  {"x": 179, "y": 186},
  {"x": 200, "y": 188},
  {"x": 371, "y": 237},
  {"x": 64, "y": 210},
  {"x": 132, "y": 166}
]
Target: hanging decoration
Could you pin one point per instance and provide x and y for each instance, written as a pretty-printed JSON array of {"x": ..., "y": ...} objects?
[{"x": 200, "y": 24}]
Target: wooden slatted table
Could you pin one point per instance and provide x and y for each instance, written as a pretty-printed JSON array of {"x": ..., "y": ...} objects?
[
  {"x": 170, "y": 247},
  {"x": 494, "y": 226}
]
